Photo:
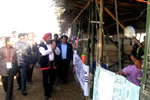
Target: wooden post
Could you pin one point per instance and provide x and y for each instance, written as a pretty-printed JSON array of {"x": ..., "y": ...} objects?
[
  {"x": 100, "y": 31},
  {"x": 147, "y": 48}
]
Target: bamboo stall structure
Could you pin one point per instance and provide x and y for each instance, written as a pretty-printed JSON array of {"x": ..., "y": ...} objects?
[{"x": 93, "y": 22}]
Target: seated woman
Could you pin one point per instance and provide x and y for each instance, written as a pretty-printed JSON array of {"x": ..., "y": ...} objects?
[{"x": 132, "y": 72}]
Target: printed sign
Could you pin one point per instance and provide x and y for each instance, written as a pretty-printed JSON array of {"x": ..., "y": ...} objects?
[
  {"x": 110, "y": 86},
  {"x": 82, "y": 72}
]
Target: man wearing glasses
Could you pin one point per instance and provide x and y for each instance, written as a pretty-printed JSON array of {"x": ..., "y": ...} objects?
[{"x": 23, "y": 51}]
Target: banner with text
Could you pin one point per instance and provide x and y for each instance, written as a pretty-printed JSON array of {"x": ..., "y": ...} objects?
[
  {"x": 110, "y": 86},
  {"x": 82, "y": 72}
]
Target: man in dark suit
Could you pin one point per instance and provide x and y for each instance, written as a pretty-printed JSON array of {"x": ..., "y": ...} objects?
[
  {"x": 24, "y": 59},
  {"x": 8, "y": 67},
  {"x": 66, "y": 55}
]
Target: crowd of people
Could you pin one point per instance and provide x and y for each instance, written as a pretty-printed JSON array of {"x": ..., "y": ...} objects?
[{"x": 19, "y": 56}]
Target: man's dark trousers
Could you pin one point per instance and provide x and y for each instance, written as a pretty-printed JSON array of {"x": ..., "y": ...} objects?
[
  {"x": 30, "y": 73},
  {"x": 49, "y": 77},
  {"x": 8, "y": 82},
  {"x": 22, "y": 78},
  {"x": 46, "y": 85},
  {"x": 64, "y": 70}
]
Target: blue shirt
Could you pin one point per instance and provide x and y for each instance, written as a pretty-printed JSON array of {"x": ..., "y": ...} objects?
[{"x": 64, "y": 51}]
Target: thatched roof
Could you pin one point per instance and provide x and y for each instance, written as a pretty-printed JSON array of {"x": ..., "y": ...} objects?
[{"x": 130, "y": 12}]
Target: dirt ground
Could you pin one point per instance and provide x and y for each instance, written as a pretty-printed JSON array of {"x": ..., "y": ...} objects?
[{"x": 69, "y": 91}]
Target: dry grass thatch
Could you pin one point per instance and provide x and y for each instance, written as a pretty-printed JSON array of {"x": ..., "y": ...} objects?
[
  {"x": 128, "y": 12},
  {"x": 69, "y": 9}
]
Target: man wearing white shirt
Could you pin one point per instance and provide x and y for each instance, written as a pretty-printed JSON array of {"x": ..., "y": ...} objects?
[
  {"x": 66, "y": 56},
  {"x": 47, "y": 51}
]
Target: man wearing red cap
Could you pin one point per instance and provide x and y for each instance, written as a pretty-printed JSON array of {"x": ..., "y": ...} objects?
[{"x": 47, "y": 51}]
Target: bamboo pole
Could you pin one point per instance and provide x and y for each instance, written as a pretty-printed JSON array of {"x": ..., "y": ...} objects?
[
  {"x": 113, "y": 17},
  {"x": 92, "y": 46},
  {"x": 147, "y": 48},
  {"x": 93, "y": 35},
  {"x": 79, "y": 14},
  {"x": 100, "y": 30},
  {"x": 88, "y": 50},
  {"x": 119, "y": 51},
  {"x": 121, "y": 25}
]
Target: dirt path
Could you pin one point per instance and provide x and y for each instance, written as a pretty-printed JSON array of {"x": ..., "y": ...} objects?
[{"x": 70, "y": 91}]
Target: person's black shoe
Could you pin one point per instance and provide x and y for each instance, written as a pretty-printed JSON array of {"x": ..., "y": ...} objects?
[
  {"x": 46, "y": 98},
  {"x": 24, "y": 92}
]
